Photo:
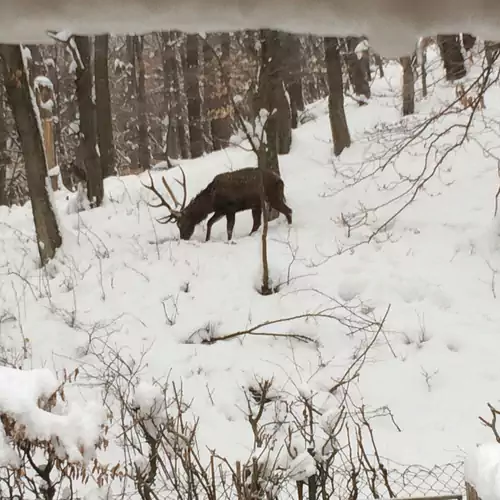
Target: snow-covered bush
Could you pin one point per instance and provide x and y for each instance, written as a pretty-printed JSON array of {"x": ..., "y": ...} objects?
[{"x": 47, "y": 442}]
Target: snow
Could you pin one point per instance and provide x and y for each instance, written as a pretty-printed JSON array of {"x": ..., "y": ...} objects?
[
  {"x": 482, "y": 470},
  {"x": 407, "y": 19},
  {"x": 133, "y": 306},
  {"x": 77, "y": 428},
  {"x": 43, "y": 81}
]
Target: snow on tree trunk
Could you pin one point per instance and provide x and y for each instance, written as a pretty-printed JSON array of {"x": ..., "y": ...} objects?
[
  {"x": 88, "y": 129},
  {"x": 338, "y": 122},
  {"x": 192, "y": 80},
  {"x": 408, "y": 86},
  {"x": 23, "y": 104},
  {"x": 453, "y": 59},
  {"x": 103, "y": 105}
]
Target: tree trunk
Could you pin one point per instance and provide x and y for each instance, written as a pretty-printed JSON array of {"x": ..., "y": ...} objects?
[
  {"x": 221, "y": 126},
  {"x": 408, "y": 86},
  {"x": 271, "y": 96},
  {"x": 4, "y": 157},
  {"x": 103, "y": 105},
  {"x": 338, "y": 123},
  {"x": 378, "y": 61},
  {"x": 170, "y": 102},
  {"x": 468, "y": 41},
  {"x": 292, "y": 62},
  {"x": 357, "y": 71},
  {"x": 192, "y": 80},
  {"x": 22, "y": 102},
  {"x": 88, "y": 129},
  {"x": 142, "y": 116},
  {"x": 451, "y": 53}
]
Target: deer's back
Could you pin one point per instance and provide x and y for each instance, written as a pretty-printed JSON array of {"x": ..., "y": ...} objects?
[{"x": 241, "y": 189}]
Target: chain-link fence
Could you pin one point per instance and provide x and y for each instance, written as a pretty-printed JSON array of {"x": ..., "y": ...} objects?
[{"x": 406, "y": 481}]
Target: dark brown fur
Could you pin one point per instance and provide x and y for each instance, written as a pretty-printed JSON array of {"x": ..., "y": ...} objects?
[{"x": 233, "y": 192}]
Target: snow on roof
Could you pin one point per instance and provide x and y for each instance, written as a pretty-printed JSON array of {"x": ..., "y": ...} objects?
[
  {"x": 27, "y": 21},
  {"x": 76, "y": 428}
]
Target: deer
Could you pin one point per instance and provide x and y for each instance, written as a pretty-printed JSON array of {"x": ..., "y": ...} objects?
[{"x": 227, "y": 194}]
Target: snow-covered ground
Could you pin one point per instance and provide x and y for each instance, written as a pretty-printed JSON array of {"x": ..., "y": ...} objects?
[{"x": 124, "y": 283}]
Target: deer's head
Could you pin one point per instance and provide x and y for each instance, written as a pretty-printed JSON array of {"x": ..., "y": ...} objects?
[{"x": 176, "y": 213}]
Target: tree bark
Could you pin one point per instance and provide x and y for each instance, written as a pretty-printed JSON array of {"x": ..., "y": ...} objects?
[
  {"x": 192, "y": 81},
  {"x": 221, "y": 126},
  {"x": 408, "y": 86},
  {"x": 4, "y": 157},
  {"x": 170, "y": 90},
  {"x": 451, "y": 53},
  {"x": 338, "y": 122},
  {"x": 22, "y": 102},
  {"x": 271, "y": 96},
  {"x": 142, "y": 115},
  {"x": 292, "y": 61},
  {"x": 103, "y": 105},
  {"x": 88, "y": 128}
]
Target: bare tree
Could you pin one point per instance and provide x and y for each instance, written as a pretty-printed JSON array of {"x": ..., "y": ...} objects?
[
  {"x": 408, "y": 86},
  {"x": 192, "y": 81},
  {"x": 88, "y": 128},
  {"x": 21, "y": 100},
  {"x": 338, "y": 123},
  {"x": 453, "y": 59},
  {"x": 103, "y": 105}
]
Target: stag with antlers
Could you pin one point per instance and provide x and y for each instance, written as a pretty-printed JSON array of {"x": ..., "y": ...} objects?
[{"x": 227, "y": 194}]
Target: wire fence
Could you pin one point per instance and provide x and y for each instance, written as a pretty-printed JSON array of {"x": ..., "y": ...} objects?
[{"x": 407, "y": 481}]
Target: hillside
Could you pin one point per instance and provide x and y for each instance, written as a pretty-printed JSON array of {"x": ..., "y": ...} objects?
[{"x": 125, "y": 284}]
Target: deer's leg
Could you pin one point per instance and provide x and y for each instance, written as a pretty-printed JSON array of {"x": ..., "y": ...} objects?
[
  {"x": 231, "y": 218},
  {"x": 215, "y": 217},
  {"x": 256, "y": 215},
  {"x": 283, "y": 208}
]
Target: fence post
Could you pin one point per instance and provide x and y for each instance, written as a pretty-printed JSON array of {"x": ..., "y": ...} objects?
[{"x": 471, "y": 493}]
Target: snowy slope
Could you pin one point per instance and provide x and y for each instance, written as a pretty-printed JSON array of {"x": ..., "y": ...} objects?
[{"x": 125, "y": 283}]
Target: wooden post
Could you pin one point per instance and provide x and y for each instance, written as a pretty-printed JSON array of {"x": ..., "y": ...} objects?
[
  {"x": 44, "y": 93},
  {"x": 471, "y": 492}
]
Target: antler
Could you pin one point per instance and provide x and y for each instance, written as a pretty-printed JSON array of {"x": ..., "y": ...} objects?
[
  {"x": 184, "y": 190},
  {"x": 174, "y": 214}
]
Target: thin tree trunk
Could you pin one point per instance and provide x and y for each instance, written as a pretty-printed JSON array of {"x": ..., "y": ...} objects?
[
  {"x": 292, "y": 61},
  {"x": 103, "y": 105},
  {"x": 221, "y": 127},
  {"x": 338, "y": 122},
  {"x": 170, "y": 102},
  {"x": 378, "y": 61},
  {"x": 192, "y": 81},
  {"x": 22, "y": 102},
  {"x": 144, "y": 157},
  {"x": 451, "y": 53},
  {"x": 88, "y": 129},
  {"x": 408, "y": 86},
  {"x": 4, "y": 157}
]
